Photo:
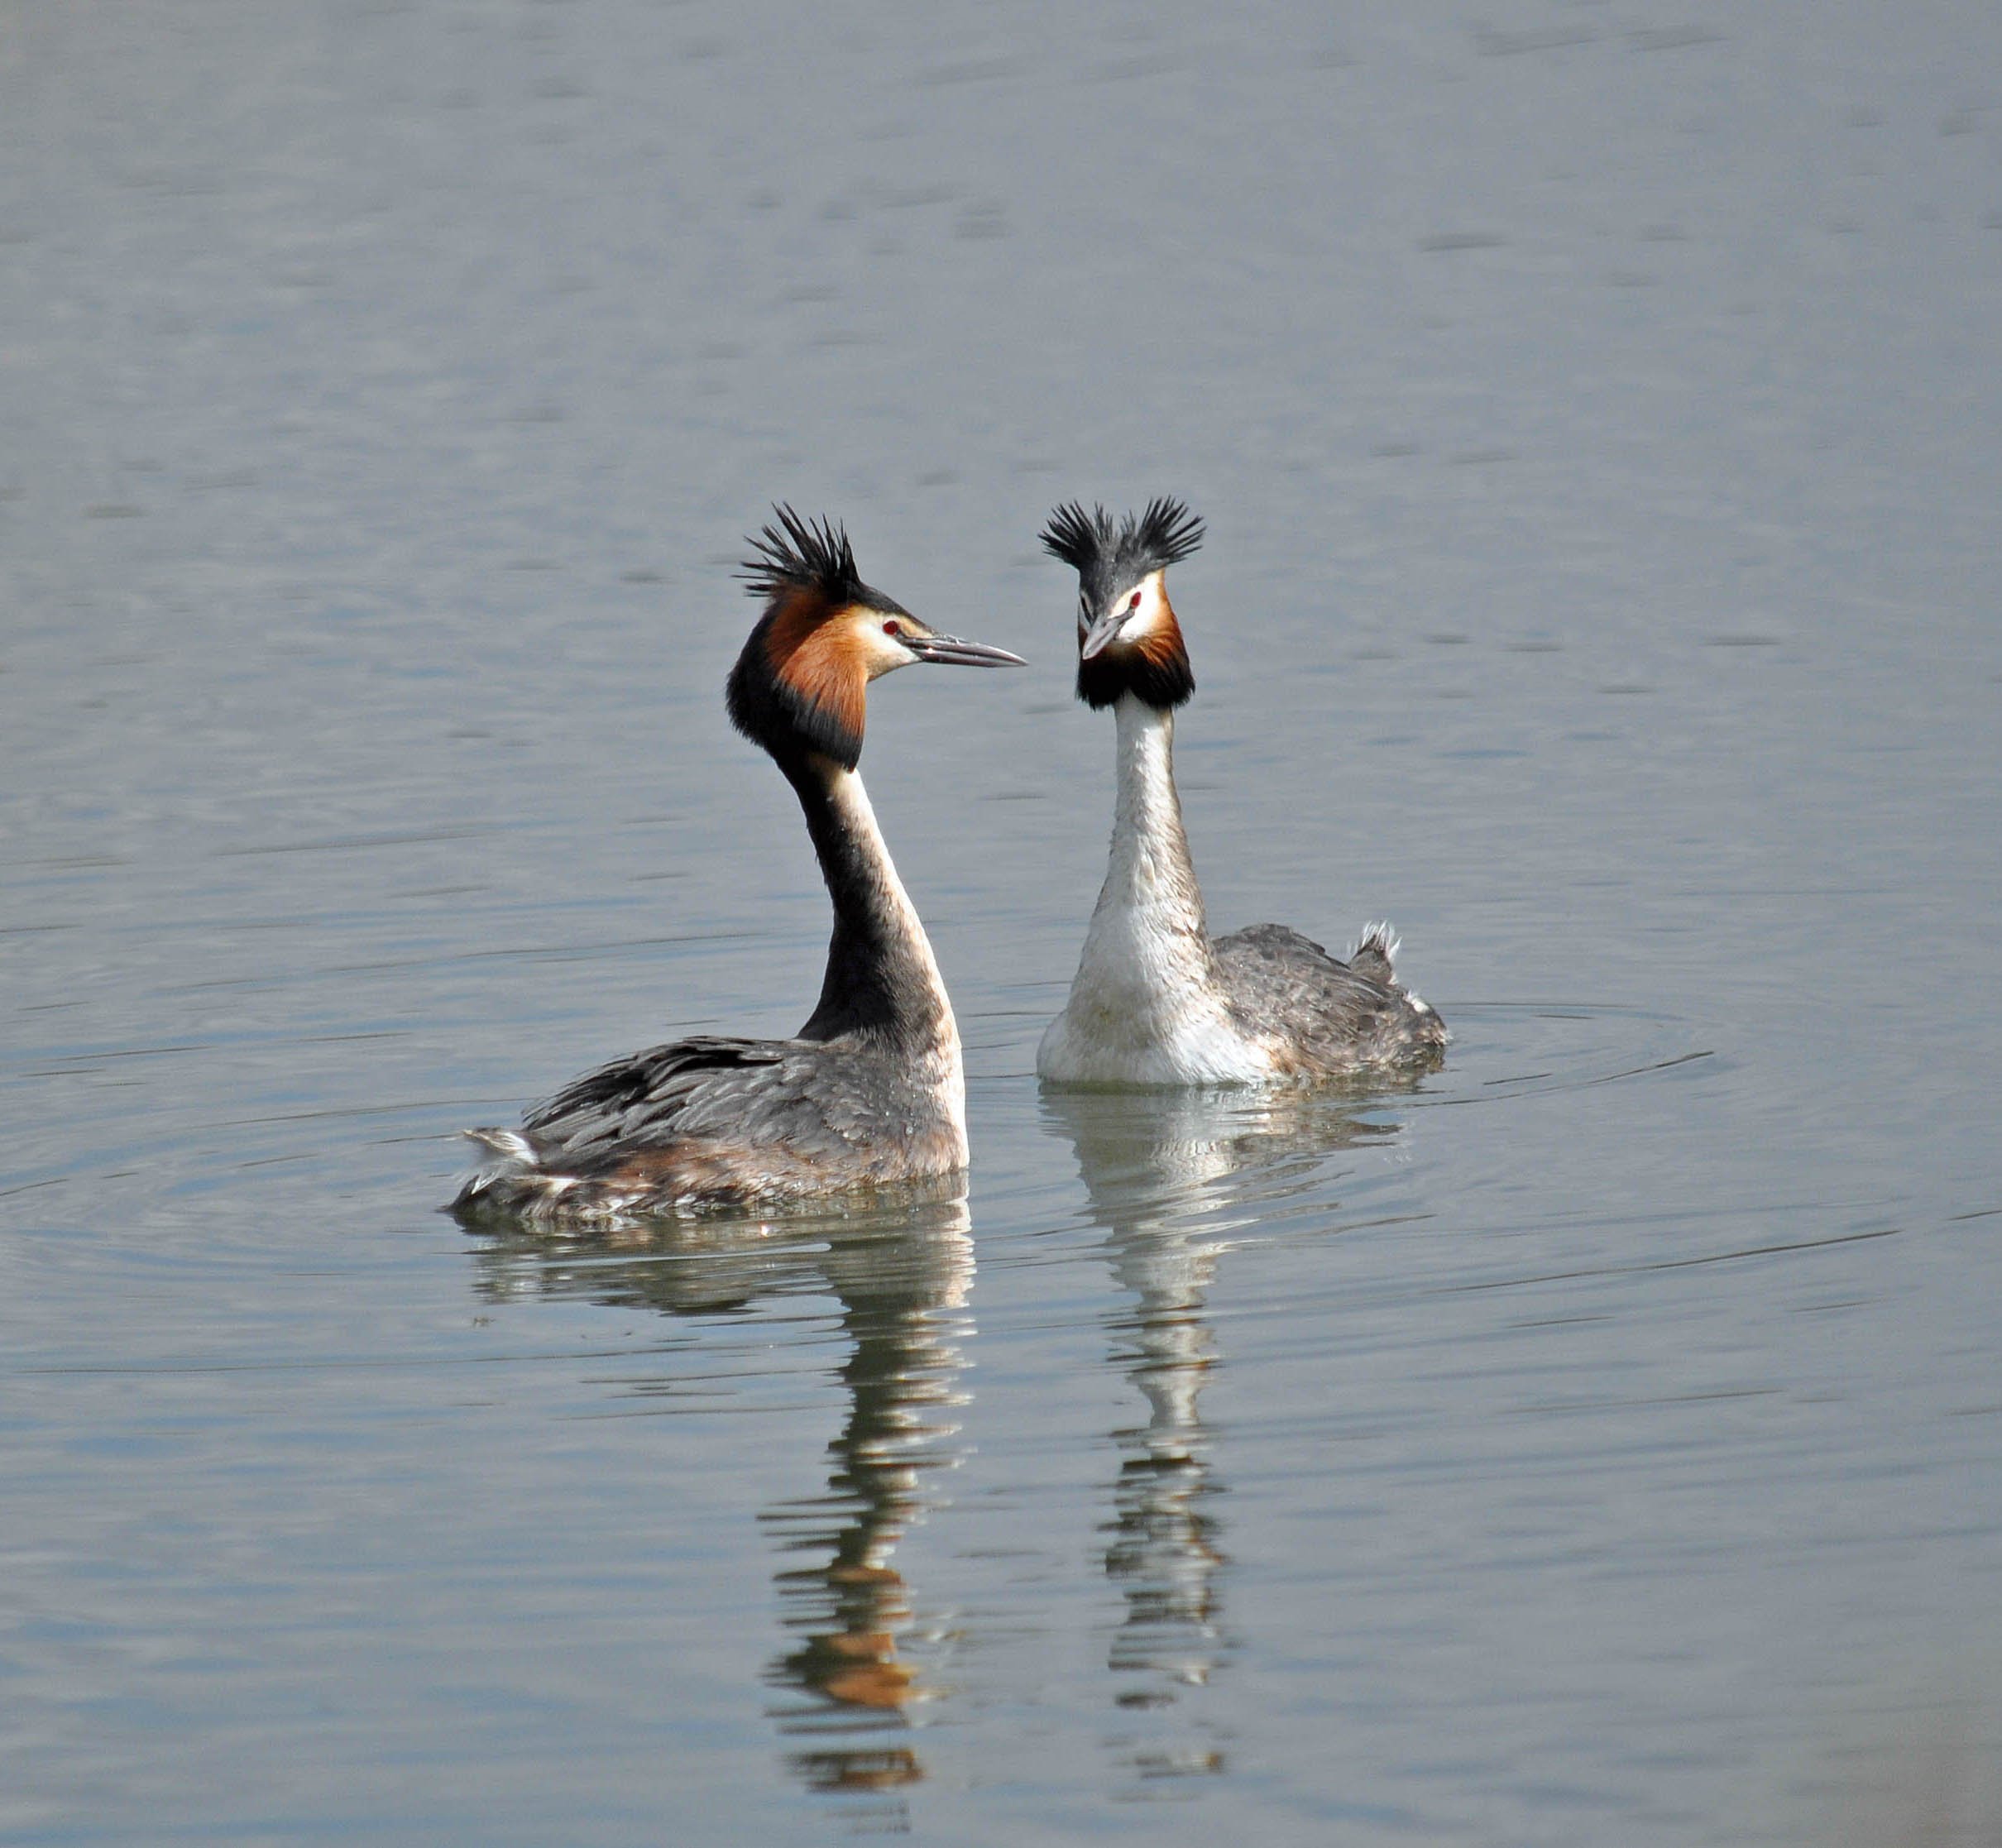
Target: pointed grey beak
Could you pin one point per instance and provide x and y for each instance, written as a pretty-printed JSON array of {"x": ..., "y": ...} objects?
[
  {"x": 949, "y": 651},
  {"x": 1099, "y": 635}
]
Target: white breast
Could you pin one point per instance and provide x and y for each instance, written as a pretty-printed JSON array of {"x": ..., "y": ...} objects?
[
  {"x": 1101, "y": 1038},
  {"x": 1146, "y": 1007}
]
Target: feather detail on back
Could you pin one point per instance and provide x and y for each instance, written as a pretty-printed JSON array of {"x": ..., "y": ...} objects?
[
  {"x": 1323, "y": 1017},
  {"x": 714, "y": 1121}
]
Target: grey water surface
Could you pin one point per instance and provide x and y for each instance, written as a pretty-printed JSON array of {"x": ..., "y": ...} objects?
[{"x": 1598, "y": 411}]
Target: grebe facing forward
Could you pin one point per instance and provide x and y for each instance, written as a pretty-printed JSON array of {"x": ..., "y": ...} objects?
[
  {"x": 1157, "y": 1000},
  {"x": 871, "y": 1090}
]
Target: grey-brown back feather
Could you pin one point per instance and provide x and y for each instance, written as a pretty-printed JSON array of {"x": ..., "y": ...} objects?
[
  {"x": 1338, "y": 1016},
  {"x": 714, "y": 1118},
  {"x": 813, "y": 1097}
]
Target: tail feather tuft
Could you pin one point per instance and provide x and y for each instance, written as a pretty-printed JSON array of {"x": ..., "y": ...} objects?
[
  {"x": 1376, "y": 953},
  {"x": 511, "y": 1177},
  {"x": 509, "y": 1145},
  {"x": 507, "y": 1156}
]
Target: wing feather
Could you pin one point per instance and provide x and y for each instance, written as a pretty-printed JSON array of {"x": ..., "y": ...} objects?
[{"x": 1342, "y": 1017}]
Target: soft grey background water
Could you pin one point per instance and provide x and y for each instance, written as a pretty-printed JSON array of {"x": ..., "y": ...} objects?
[{"x": 1598, "y": 414}]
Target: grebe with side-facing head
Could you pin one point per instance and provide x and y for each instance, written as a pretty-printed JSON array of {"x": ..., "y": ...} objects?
[
  {"x": 1157, "y": 1000},
  {"x": 871, "y": 1090}
]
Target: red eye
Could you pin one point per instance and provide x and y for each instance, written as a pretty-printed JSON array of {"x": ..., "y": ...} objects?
[{"x": 893, "y": 628}]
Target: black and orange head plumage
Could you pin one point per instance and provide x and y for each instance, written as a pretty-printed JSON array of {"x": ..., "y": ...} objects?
[
  {"x": 1122, "y": 562},
  {"x": 800, "y": 684}
]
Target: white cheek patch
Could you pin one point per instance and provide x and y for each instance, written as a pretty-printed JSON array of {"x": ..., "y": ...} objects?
[
  {"x": 1140, "y": 622},
  {"x": 881, "y": 652}
]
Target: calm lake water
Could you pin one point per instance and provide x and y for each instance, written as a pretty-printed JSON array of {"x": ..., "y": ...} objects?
[{"x": 1597, "y": 410}]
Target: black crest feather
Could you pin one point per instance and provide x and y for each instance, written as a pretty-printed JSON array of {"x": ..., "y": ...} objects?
[
  {"x": 1079, "y": 538},
  {"x": 1109, "y": 558},
  {"x": 805, "y": 555}
]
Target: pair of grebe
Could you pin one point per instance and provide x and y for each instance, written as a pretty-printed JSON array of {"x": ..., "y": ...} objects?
[{"x": 872, "y": 1091}]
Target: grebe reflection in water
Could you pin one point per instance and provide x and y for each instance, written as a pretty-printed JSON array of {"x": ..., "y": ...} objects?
[
  {"x": 1177, "y": 1178},
  {"x": 848, "y": 1689}
]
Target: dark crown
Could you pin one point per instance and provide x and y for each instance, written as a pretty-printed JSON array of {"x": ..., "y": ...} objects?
[
  {"x": 803, "y": 555},
  {"x": 1108, "y": 558}
]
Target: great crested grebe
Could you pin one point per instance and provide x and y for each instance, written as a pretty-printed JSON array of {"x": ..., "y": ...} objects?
[
  {"x": 1157, "y": 1000},
  {"x": 871, "y": 1091}
]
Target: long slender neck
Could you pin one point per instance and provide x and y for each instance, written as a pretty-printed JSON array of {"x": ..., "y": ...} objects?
[
  {"x": 1150, "y": 869},
  {"x": 881, "y": 975},
  {"x": 1147, "y": 932}
]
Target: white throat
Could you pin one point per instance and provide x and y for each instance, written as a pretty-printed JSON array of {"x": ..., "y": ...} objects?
[{"x": 1146, "y": 1007}]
